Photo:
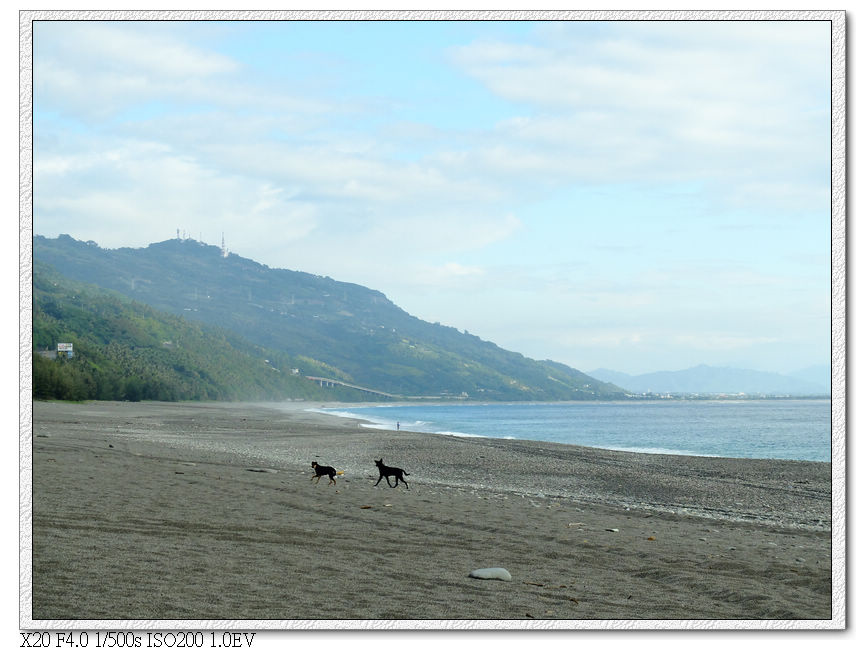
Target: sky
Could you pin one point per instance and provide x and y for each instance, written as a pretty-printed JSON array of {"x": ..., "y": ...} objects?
[{"x": 634, "y": 195}]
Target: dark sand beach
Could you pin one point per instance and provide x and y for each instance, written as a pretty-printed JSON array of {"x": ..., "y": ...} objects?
[{"x": 161, "y": 511}]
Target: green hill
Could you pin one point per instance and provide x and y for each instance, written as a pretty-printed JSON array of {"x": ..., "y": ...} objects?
[
  {"x": 361, "y": 336},
  {"x": 124, "y": 350}
]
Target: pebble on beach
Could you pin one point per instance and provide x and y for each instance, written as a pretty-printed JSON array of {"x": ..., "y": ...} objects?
[{"x": 494, "y": 573}]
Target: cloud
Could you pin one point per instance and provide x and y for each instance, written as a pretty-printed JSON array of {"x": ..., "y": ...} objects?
[
  {"x": 622, "y": 103},
  {"x": 94, "y": 69},
  {"x": 450, "y": 275},
  {"x": 130, "y": 192},
  {"x": 729, "y": 104},
  {"x": 585, "y": 213},
  {"x": 127, "y": 49}
]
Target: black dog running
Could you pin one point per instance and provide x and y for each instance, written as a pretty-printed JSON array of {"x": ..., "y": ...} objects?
[{"x": 385, "y": 472}]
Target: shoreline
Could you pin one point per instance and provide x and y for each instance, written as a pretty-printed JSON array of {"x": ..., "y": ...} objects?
[
  {"x": 667, "y": 452},
  {"x": 623, "y": 457},
  {"x": 218, "y": 496}
]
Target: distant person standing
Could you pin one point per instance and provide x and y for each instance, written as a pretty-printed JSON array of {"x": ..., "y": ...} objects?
[{"x": 397, "y": 426}]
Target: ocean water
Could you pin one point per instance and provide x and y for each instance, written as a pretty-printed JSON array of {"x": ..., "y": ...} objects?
[{"x": 783, "y": 429}]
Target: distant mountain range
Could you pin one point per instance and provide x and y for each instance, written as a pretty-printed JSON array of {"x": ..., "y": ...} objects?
[
  {"x": 705, "y": 379},
  {"x": 323, "y": 327}
]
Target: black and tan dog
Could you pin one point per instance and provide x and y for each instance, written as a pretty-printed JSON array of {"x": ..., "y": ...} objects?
[
  {"x": 323, "y": 470},
  {"x": 385, "y": 472}
]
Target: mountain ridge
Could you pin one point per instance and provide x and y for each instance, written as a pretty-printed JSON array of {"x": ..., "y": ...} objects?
[
  {"x": 358, "y": 332},
  {"x": 705, "y": 379},
  {"x": 125, "y": 350}
]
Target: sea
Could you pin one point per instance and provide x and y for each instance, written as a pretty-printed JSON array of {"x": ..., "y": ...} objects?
[{"x": 782, "y": 429}]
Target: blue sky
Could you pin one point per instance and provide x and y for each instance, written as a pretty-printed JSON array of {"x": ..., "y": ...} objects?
[{"x": 638, "y": 196}]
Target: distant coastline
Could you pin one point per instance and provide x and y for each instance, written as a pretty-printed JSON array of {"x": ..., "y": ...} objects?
[{"x": 789, "y": 429}]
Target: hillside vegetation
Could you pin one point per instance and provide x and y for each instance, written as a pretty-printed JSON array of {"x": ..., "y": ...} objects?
[
  {"x": 124, "y": 350},
  {"x": 353, "y": 333}
]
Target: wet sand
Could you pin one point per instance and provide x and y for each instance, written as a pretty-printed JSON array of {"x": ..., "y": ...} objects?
[{"x": 155, "y": 511}]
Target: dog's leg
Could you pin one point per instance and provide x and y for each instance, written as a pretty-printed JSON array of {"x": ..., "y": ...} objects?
[{"x": 380, "y": 476}]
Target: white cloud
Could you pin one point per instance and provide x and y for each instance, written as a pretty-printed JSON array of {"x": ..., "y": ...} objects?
[
  {"x": 127, "y": 49},
  {"x": 449, "y": 275},
  {"x": 727, "y": 103},
  {"x": 143, "y": 129},
  {"x": 95, "y": 71},
  {"x": 131, "y": 192}
]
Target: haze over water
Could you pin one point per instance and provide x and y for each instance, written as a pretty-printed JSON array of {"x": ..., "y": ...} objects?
[{"x": 781, "y": 429}]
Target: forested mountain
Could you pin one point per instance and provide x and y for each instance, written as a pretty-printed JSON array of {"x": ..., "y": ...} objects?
[
  {"x": 360, "y": 335},
  {"x": 124, "y": 350}
]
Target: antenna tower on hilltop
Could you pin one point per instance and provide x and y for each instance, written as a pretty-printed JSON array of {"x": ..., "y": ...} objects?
[{"x": 224, "y": 251}]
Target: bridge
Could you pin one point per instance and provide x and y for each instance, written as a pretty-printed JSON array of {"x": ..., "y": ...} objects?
[{"x": 326, "y": 382}]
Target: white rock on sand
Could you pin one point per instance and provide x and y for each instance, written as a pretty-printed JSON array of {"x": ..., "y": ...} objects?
[{"x": 493, "y": 573}]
